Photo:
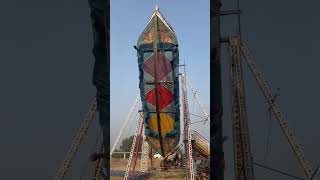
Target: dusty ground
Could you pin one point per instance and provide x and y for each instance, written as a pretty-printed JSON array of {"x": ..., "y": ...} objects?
[
  {"x": 121, "y": 164},
  {"x": 116, "y": 178},
  {"x": 172, "y": 174}
]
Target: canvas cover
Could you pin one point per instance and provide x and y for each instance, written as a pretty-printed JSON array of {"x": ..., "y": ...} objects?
[{"x": 158, "y": 44}]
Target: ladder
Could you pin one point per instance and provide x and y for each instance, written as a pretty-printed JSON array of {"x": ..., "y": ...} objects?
[
  {"x": 132, "y": 147},
  {"x": 310, "y": 173},
  {"x": 77, "y": 141},
  {"x": 242, "y": 153}
]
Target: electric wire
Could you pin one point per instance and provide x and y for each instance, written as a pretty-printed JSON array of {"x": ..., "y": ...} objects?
[{"x": 280, "y": 172}]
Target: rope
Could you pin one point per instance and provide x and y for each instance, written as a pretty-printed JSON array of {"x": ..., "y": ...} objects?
[
  {"x": 199, "y": 116},
  {"x": 197, "y": 122}
]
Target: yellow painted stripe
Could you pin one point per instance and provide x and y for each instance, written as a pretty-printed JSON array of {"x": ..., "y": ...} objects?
[{"x": 166, "y": 122}]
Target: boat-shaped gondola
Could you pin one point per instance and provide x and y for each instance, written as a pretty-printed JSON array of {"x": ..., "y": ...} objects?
[{"x": 158, "y": 61}]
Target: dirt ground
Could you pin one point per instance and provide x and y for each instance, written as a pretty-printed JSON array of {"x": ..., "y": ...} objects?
[
  {"x": 116, "y": 178},
  {"x": 120, "y": 164},
  {"x": 172, "y": 174}
]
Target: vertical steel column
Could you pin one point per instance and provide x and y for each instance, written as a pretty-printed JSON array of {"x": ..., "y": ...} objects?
[
  {"x": 216, "y": 109},
  {"x": 242, "y": 154},
  {"x": 187, "y": 135}
]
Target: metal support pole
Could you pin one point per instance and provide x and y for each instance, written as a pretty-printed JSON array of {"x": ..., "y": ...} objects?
[
  {"x": 124, "y": 125},
  {"x": 206, "y": 115},
  {"x": 137, "y": 149}
]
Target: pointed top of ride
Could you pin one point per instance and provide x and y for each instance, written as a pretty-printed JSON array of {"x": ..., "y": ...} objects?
[
  {"x": 157, "y": 13},
  {"x": 167, "y": 34}
]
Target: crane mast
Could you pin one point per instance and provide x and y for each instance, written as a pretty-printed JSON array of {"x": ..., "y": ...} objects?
[
  {"x": 242, "y": 154},
  {"x": 277, "y": 112},
  {"x": 187, "y": 135}
]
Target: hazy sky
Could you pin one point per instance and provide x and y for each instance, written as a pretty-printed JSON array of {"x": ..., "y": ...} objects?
[{"x": 46, "y": 68}]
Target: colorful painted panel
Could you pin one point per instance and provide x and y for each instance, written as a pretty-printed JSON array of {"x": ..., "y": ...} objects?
[{"x": 158, "y": 60}]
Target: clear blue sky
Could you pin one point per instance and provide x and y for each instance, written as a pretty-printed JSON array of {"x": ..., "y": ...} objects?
[{"x": 189, "y": 20}]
